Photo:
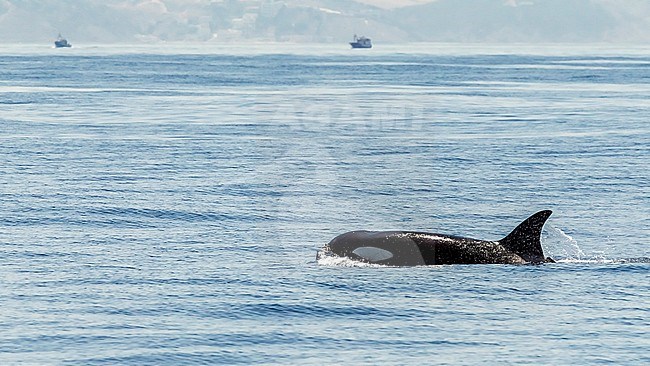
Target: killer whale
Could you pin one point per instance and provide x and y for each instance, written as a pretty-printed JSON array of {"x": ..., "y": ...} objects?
[{"x": 409, "y": 248}]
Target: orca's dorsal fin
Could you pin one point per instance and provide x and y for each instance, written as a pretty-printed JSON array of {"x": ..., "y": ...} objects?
[{"x": 524, "y": 240}]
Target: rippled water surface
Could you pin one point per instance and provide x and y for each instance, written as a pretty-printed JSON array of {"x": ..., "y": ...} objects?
[{"x": 165, "y": 206}]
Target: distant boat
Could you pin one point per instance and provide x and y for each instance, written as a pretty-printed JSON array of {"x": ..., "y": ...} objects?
[
  {"x": 361, "y": 42},
  {"x": 61, "y": 42}
]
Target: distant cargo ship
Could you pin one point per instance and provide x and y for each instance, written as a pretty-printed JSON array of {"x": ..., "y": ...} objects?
[
  {"x": 361, "y": 42},
  {"x": 61, "y": 42}
]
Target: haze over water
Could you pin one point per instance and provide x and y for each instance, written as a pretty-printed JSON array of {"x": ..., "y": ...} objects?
[{"x": 165, "y": 206}]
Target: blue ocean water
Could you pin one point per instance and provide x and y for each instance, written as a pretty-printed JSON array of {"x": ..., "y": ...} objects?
[{"x": 165, "y": 205}]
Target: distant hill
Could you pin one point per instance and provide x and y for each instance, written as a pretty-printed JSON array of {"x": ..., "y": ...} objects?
[
  {"x": 130, "y": 21},
  {"x": 527, "y": 21}
]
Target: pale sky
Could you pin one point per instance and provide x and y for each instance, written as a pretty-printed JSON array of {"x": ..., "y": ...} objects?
[
  {"x": 326, "y": 21},
  {"x": 390, "y": 4}
]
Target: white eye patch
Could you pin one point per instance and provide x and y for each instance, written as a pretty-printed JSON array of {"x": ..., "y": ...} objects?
[{"x": 373, "y": 254}]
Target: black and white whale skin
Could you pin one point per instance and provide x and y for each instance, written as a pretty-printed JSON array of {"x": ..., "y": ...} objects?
[{"x": 407, "y": 248}]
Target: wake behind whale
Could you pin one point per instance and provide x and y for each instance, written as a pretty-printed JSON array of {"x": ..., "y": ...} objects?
[{"x": 408, "y": 248}]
